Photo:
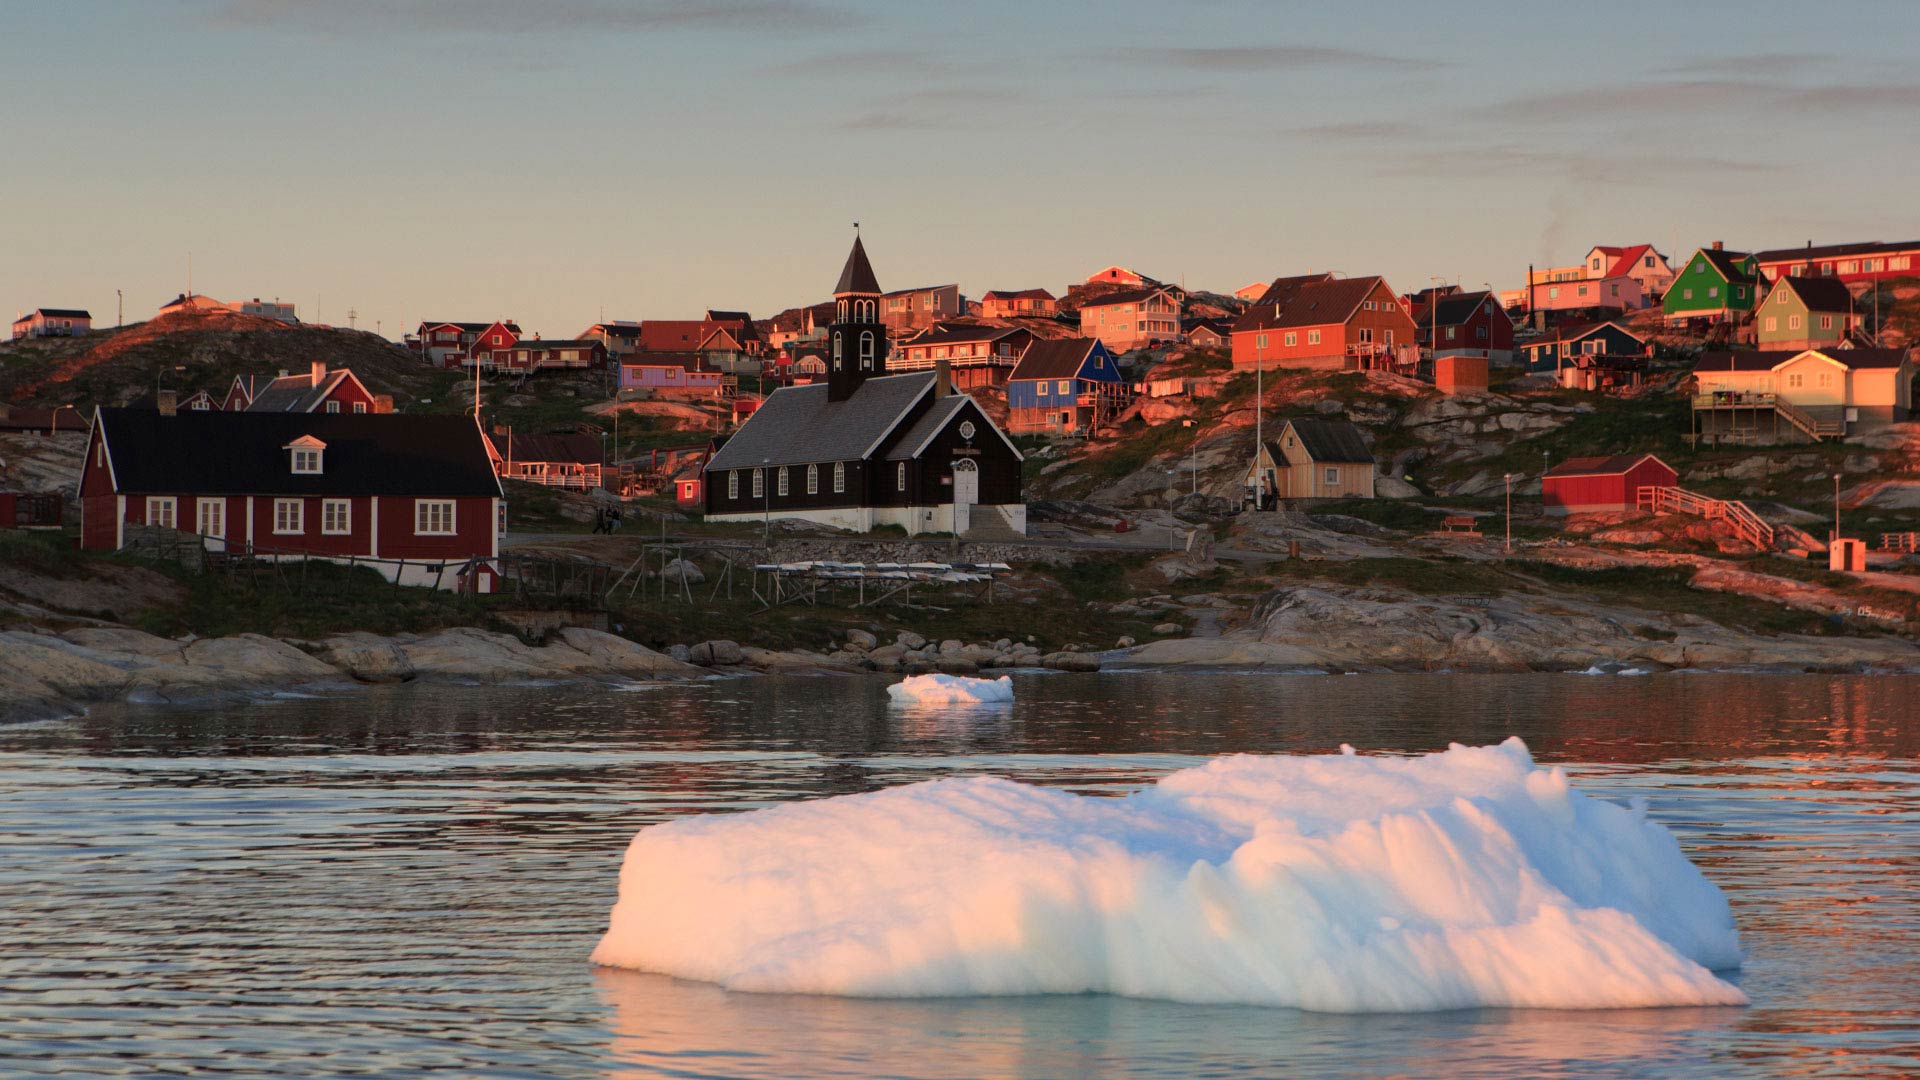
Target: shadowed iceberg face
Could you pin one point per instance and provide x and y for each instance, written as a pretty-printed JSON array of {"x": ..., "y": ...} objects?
[{"x": 1338, "y": 883}]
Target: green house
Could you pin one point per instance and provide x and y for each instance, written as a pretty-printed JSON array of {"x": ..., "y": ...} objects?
[
  {"x": 1805, "y": 313},
  {"x": 1716, "y": 284}
]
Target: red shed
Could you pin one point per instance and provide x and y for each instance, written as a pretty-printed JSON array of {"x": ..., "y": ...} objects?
[{"x": 1593, "y": 485}]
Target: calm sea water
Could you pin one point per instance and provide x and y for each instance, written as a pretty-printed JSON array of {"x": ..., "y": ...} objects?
[{"x": 406, "y": 882}]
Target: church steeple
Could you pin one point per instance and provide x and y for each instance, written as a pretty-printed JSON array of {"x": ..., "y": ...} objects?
[{"x": 857, "y": 340}]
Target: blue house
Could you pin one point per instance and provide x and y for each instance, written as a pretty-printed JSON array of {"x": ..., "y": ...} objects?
[
  {"x": 1064, "y": 386},
  {"x": 1562, "y": 344}
]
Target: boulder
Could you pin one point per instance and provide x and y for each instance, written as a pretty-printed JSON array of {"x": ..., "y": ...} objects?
[
  {"x": 680, "y": 652},
  {"x": 1124, "y": 642},
  {"x": 369, "y": 658},
  {"x": 680, "y": 570},
  {"x": 952, "y": 647},
  {"x": 721, "y": 653},
  {"x": 614, "y": 655},
  {"x": 1070, "y": 661},
  {"x": 255, "y": 659},
  {"x": 910, "y": 640},
  {"x": 861, "y": 639},
  {"x": 1166, "y": 628}
]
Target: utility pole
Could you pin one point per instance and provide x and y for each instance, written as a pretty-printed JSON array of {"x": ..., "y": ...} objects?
[
  {"x": 352, "y": 314},
  {"x": 1509, "y": 513},
  {"x": 119, "y": 309}
]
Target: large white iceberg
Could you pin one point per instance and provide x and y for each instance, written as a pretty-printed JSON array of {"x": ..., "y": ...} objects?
[
  {"x": 1340, "y": 883},
  {"x": 950, "y": 690}
]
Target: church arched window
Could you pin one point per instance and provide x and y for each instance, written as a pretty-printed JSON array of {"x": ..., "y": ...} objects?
[
  {"x": 866, "y": 349},
  {"x": 836, "y": 352}
]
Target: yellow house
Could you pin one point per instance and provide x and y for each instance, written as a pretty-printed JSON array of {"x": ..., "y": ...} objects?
[
  {"x": 1312, "y": 459},
  {"x": 1820, "y": 393}
]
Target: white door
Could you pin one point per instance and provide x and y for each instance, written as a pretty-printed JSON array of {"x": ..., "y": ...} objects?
[
  {"x": 966, "y": 492},
  {"x": 212, "y": 525}
]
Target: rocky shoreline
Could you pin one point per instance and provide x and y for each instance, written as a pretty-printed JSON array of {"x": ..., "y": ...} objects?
[{"x": 44, "y": 674}]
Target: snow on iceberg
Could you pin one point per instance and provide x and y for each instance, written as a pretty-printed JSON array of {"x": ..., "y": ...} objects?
[
  {"x": 950, "y": 690},
  {"x": 1339, "y": 883}
]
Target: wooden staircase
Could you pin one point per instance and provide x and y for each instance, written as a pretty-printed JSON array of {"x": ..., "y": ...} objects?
[
  {"x": 1815, "y": 427},
  {"x": 1746, "y": 524}
]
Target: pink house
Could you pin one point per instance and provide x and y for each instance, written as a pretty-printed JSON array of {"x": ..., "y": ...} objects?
[{"x": 1621, "y": 292}]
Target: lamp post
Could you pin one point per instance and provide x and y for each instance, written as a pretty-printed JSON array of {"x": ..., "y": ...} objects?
[
  {"x": 1836, "y": 506},
  {"x": 1509, "y": 477}
]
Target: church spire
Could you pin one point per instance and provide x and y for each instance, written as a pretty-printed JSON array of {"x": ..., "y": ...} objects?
[
  {"x": 857, "y": 340},
  {"x": 857, "y": 277}
]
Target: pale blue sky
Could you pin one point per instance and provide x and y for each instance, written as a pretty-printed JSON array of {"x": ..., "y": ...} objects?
[{"x": 468, "y": 159}]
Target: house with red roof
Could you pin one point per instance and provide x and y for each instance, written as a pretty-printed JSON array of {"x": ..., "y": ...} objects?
[
  {"x": 1856, "y": 264},
  {"x": 977, "y": 354},
  {"x": 1014, "y": 303},
  {"x": 1641, "y": 262},
  {"x": 1599, "y": 485},
  {"x": 451, "y": 344},
  {"x": 1322, "y": 322}
]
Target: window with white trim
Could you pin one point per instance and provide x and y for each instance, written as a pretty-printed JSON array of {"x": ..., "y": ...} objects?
[
  {"x": 733, "y": 483},
  {"x": 1772, "y": 324},
  {"x": 333, "y": 406},
  {"x": 759, "y": 483},
  {"x": 160, "y": 511},
  {"x": 813, "y": 479},
  {"x": 780, "y": 478},
  {"x": 336, "y": 517},
  {"x": 289, "y": 517},
  {"x": 1826, "y": 322},
  {"x": 839, "y": 477},
  {"x": 306, "y": 460},
  {"x": 866, "y": 350},
  {"x": 213, "y": 516},
  {"x": 1313, "y": 337},
  {"x": 1260, "y": 341},
  {"x": 1041, "y": 390},
  {"x": 433, "y": 517},
  {"x": 100, "y": 454},
  {"x": 1793, "y": 322},
  {"x": 1333, "y": 474},
  {"x": 1292, "y": 339},
  {"x": 359, "y": 406},
  {"x": 1066, "y": 386},
  {"x": 900, "y": 476}
]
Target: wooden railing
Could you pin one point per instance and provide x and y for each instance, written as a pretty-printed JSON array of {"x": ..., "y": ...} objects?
[
  {"x": 1746, "y": 524},
  {"x": 1786, "y": 410},
  {"x": 1900, "y": 541}
]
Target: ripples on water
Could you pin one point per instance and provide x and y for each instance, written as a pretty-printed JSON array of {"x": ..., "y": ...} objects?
[{"x": 407, "y": 882}]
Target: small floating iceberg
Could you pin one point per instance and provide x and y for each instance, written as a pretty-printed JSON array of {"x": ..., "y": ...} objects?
[
  {"x": 1340, "y": 883},
  {"x": 950, "y": 690}
]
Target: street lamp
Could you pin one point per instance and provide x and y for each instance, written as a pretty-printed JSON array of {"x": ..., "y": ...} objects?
[{"x": 1509, "y": 477}]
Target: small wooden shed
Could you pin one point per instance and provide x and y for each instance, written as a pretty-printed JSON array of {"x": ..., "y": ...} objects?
[{"x": 1597, "y": 485}]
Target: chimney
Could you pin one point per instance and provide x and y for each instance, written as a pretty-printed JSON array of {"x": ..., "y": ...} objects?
[
  {"x": 319, "y": 372},
  {"x": 383, "y": 403},
  {"x": 167, "y": 401},
  {"x": 1719, "y": 246},
  {"x": 942, "y": 378}
]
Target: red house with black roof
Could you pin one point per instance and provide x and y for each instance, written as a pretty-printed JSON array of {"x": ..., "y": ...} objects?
[{"x": 413, "y": 497}]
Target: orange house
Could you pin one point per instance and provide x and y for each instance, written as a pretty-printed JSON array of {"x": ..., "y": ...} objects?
[{"x": 1322, "y": 322}]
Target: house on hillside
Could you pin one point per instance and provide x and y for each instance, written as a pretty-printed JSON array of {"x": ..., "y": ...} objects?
[
  {"x": 1600, "y": 485},
  {"x": 977, "y": 354},
  {"x": 374, "y": 489},
  {"x": 452, "y": 344},
  {"x": 1602, "y": 374},
  {"x": 621, "y": 338},
  {"x": 912, "y": 309},
  {"x": 867, "y": 447},
  {"x": 1806, "y": 313},
  {"x": 173, "y": 400},
  {"x": 1321, "y": 322},
  {"x": 1065, "y": 387},
  {"x": 535, "y": 354},
  {"x": 1251, "y": 291},
  {"x": 1552, "y": 350},
  {"x": 52, "y": 322},
  {"x": 1010, "y": 304},
  {"x": 1641, "y": 262},
  {"x": 1132, "y": 318},
  {"x": 276, "y": 309},
  {"x": 1715, "y": 285},
  {"x": 1471, "y": 324},
  {"x": 1311, "y": 459},
  {"x": 684, "y": 374},
  {"x": 1207, "y": 333},
  {"x": 729, "y": 344},
  {"x": 738, "y": 327},
  {"x": 573, "y": 460},
  {"x": 1618, "y": 293},
  {"x": 195, "y": 304},
  {"x": 1800, "y": 395},
  {"x": 1857, "y": 265},
  {"x": 318, "y": 390},
  {"x": 1118, "y": 275}
]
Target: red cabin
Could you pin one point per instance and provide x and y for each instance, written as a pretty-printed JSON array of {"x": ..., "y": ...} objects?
[{"x": 1599, "y": 485}]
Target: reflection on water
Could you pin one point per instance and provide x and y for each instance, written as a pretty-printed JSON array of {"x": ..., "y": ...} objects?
[{"x": 407, "y": 881}]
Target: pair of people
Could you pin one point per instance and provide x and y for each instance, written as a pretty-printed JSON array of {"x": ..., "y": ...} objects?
[{"x": 607, "y": 519}]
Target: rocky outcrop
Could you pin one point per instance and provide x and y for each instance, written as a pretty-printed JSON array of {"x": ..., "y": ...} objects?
[{"x": 1382, "y": 629}]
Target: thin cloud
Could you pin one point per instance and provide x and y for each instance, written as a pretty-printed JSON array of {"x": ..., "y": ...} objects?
[
  {"x": 1747, "y": 64},
  {"x": 1635, "y": 101},
  {"x": 1358, "y": 131},
  {"x": 864, "y": 63},
  {"x": 1251, "y": 58},
  {"x": 1581, "y": 165},
  {"x": 357, "y": 18}
]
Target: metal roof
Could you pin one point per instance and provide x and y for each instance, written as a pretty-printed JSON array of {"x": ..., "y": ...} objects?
[{"x": 796, "y": 425}]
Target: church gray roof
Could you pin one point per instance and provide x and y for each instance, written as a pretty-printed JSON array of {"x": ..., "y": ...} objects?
[
  {"x": 797, "y": 425},
  {"x": 857, "y": 275}
]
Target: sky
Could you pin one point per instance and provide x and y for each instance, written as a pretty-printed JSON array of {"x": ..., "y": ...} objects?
[{"x": 570, "y": 160}]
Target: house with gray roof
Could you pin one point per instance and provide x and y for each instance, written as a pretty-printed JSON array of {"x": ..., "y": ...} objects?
[
  {"x": 1312, "y": 459},
  {"x": 867, "y": 447},
  {"x": 318, "y": 390}
]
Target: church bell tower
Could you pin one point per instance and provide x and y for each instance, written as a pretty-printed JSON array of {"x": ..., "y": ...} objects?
[{"x": 857, "y": 339}]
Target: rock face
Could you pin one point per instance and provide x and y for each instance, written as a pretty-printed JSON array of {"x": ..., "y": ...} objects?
[
  {"x": 1315, "y": 627},
  {"x": 718, "y": 653},
  {"x": 367, "y": 657}
]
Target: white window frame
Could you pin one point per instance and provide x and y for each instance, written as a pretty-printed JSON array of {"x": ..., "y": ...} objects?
[
  {"x": 780, "y": 481},
  {"x": 733, "y": 483},
  {"x": 427, "y": 514},
  {"x": 1333, "y": 474},
  {"x": 289, "y": 517},
  {"x": 839, "y": 477},
  {"x": 359, "y": 407},
  {"x": 1313, "y": 337},
  {"x": 328, "y": 525},
  {"x": 900, "y": 476},
  {"x": 759, "y": 483},
  {"x": 307, "y": 461},
  {"x": 333, "y": 406},
  {"x": 813, "y": 479},
  {"x": 163, "y": 507},
  {"x": 1065, "y": 386},
  {"x": 1291, "y": 339}
]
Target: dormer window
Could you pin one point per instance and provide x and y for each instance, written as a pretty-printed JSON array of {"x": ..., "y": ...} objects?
[{"x": 307, "y": 455}]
